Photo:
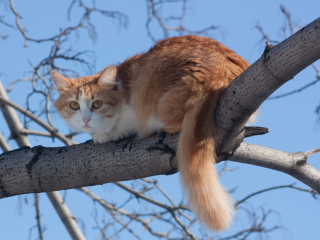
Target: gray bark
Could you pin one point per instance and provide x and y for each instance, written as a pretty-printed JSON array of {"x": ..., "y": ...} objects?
[{"x": 248, "y": 91}]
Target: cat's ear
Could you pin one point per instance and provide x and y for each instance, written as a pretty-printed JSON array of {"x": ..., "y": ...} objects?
[
  {"x": 60, "y": 81},
  {"x": 108, "y": 76}
]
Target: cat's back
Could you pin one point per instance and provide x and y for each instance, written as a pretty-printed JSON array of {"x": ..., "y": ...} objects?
[
  {"x": 201, "y": 59},
  {"x": 205, "y": 50},
  {"x": 164, "y": 80},
  {"x": 179, "y": 56}
]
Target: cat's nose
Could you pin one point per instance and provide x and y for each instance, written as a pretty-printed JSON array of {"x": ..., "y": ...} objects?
[{"x": 86, "y": 120}]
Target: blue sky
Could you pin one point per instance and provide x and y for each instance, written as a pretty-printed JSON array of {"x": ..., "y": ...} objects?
[{"x": 292, "y": 120}]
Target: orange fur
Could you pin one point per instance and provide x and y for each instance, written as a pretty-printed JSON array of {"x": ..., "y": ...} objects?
[{"x": 175, "y": 86}]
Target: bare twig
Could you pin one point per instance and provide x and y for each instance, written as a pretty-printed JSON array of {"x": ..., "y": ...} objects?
[
  {"x": 65, "y": 215},
  {"x": 3, "y": 144},
  {"x": 292, "y": 28},
  {"x": 311, "y": 152},
  {"x": 124, "y": 227},
  {"x": 167, "y": 197},
  {"x": 9, "y": 88},
  {"x": 144, "y": 197},
  {"x": 313, "y": 192},
  {"x": 154, "y": 12},
  {"x": 170, "y": 209},
  {"x": 257, "y": 226},
  {"x": 36, "y": 203},
  {"x": 18, "y": 17},
  {"x": 110, "y": 208},
  {"x": 104, "y": 229},
  {"x": 26, "y": 131},
  {"x": 53, "y": 131},
  {"x": 295, "y": 91}
]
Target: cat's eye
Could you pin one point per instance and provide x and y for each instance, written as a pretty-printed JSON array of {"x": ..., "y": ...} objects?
[
  {"x": 74, "y": 105},
  {"x": 97, "y": 104}
]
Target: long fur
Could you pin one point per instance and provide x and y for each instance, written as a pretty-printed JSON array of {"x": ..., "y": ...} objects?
[
  {"x": 196, "y": 155},
  {"x": 175, "y": 86}
]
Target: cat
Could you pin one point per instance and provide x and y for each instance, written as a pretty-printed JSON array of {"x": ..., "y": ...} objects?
[{"x": 174, "y": 87}]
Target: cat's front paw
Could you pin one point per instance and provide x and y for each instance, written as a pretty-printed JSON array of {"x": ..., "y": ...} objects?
[{"x": 100, "y": 138}]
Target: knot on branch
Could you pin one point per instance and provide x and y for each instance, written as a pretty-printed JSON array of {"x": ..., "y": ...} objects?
[
  {"x": 299, "y": 158},
  {"x": 37, "y": 152},
  {"x": 253, "y": 131},
  {"x": 267, "y": 49},
  {"x": 165, "y": 148}
]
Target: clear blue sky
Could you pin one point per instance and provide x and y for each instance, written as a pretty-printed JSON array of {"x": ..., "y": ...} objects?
[{"x": 292, "y": 121}]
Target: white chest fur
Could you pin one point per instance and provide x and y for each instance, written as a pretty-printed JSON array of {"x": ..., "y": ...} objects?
[{"x": 125, "y": 124}]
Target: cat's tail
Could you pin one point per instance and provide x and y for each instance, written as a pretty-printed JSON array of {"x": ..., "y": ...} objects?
[{"x": 210, "y": 202}]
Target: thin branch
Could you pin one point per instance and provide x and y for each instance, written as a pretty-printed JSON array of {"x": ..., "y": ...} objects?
[
  {"x": 9, "y": 88},
  {"x": 18, "y": 17},
  {"x": 3, "y": 144},
  {"x": 144, "y": 197},
  {"x": 264, "y": 35},
  {"x": 311, "y": 152},
  {"x": 170, "y": 209},
  {"x": 8, "y": 24},
  {"x": 36, "y": 196},
  {"x": 110, "y": 208},
  {"x": 317, "y": 70},
  {"x": 34, "y": 118},
  {"x": 273, "y": 188},
  {"x": 104, "y": 229},
  {"x": 26, "y": 131},
  {"x": 295, "y": 91},
  {"x": 153, "y": 11},
  {"x": 167, "y": 197},
  {"x": 65, "y": 215},
  {"x": 121, "y": 229},
  {"x": 288, "y": 17}
]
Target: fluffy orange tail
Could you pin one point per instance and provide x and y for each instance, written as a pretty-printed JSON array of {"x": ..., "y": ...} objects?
[{"x": 196, "y": 156}]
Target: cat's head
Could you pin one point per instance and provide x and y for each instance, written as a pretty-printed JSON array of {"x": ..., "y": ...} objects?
[{"x": 89, "y": 104}]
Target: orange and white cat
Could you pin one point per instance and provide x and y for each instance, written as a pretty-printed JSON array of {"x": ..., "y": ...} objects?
[{"x": 173, "y": 87}]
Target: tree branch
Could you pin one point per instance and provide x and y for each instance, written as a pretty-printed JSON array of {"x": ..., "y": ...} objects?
[
  {"x": 249, "y": 90},
  {"x": 41, "y": 169},
  {"x": 65, "y": 215},
  {"x": 314, "y": 193},
  {"x": 3, "y": 144},
  {"x": 5, "y": 102},
  {"x": 294, "y": 164}
]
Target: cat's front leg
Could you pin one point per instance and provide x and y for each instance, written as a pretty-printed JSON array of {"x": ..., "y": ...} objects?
[{"x": 100, "y": 137}]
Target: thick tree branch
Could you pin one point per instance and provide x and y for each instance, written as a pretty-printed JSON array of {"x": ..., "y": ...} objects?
[
  {"x": 249, "y": 90},
  {"x": 294, "y": 164},
  {"x": 42, "y": 169}
]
